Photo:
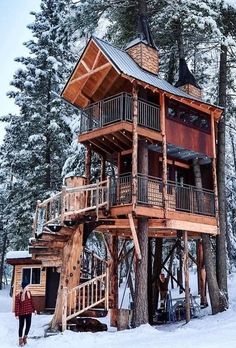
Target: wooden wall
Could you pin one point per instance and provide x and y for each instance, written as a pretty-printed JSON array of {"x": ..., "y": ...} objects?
[
  {"x": 188, "y": 138},
  {"x": 37, "y": 290}
]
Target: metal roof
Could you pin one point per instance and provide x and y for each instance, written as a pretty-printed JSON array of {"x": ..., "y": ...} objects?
[{"x": 125, "y": 64}]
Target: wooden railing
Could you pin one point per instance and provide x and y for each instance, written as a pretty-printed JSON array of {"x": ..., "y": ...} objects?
[
  {"x": 85, "y": 296},
  {"x": 179, "y": 197},
  {"x": 191, "y": 199},
  {"x": 119, "y": 108},
  {"x": 71, "y": 201}
]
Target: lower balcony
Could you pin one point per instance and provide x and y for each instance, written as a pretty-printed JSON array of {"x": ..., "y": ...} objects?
[{"x": 185, "y": 198}]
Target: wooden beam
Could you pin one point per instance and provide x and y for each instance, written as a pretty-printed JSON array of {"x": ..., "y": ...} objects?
[
  {"x": 85, "y": 65},
  {"x": 84, "y": 76},
  {"x": 135, "y": 237},
  {"x": 214, "y": 172},
  {"x": 100, "y": 81},
  {"x": 96, "y": 60}
]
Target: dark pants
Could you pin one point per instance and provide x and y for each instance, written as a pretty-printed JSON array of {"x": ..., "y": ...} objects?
[{"x": 24, "y": 320}]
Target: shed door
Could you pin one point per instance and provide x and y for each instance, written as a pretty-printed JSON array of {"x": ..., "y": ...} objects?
[{"x": 52, "y": 283}]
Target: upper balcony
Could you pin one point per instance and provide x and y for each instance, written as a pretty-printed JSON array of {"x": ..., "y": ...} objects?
[{"x": 118, "y": 110}]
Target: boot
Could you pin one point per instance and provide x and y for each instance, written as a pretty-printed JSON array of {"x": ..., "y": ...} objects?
[
  {"x": 21, "y": 342},
  {"x": 25, "y": 339}
]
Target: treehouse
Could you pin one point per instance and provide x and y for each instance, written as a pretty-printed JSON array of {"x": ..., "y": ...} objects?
[{"x": 161, "y": 142}]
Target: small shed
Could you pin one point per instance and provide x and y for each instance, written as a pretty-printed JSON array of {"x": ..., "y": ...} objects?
[{"x": 43, "y": 281}]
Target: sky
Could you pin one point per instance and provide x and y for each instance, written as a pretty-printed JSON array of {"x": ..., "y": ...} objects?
[{"x": 14, "y": 17}]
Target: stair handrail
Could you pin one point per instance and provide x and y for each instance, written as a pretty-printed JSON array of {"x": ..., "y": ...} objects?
[{"x": 74, "y": 303}]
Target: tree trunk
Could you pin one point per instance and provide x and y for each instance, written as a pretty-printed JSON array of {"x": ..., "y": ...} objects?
[
  {"x": 3, "y": 252},
  {"x": 221, "y": 268},
  {"x": 216, "y": 298},
  {"x": 157, "y": 270},
  {"x": 141, "y": 296},
  {"x": 70, "y": 272},
  {"x": 140, "y": 299}
]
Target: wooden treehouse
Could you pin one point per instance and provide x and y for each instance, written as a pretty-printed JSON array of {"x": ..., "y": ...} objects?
[{"x": 160, "y": 139}]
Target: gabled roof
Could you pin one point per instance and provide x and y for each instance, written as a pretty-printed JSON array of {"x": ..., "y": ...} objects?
[
  {"x": 123, "y": 65},
  {"x": 126, "y": 65}
]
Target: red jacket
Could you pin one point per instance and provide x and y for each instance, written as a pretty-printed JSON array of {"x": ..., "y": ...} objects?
[{"x": 24, "y": 307}]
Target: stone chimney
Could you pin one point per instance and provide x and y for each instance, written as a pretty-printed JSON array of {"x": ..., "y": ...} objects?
[
  {"x": 144, "y": 55},
  {"x": 187, "y": 81},
  {"x": 143, "y": 49}
]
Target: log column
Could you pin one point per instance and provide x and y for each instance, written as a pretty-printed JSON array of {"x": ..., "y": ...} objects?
[
  {"x": 141, "y": 290},
  {"x": 88, "y": 163},
  {"x": 113, "y": 247},
  {"x": 164, "y": 151},
  {"x": 214, "y": 174},
  {"x": 135, "y": 145},
  {"x": 186, "y": 277}
]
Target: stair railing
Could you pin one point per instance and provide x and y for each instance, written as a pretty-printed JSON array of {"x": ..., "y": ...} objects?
[
  {"x": 71, "y": 201},
  {"x": 85, "y": 296}
]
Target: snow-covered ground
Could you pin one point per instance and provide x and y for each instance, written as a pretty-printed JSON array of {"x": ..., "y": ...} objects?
[{"x": 208, "y": 332}]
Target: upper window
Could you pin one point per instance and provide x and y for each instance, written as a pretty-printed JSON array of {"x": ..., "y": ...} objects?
[
  {"x": 31, "y": 275},
  {"x": 188, "y": 116}
]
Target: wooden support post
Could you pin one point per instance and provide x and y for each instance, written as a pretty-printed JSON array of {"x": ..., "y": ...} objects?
[
  {"x": 135, "y": 237},
  {"x": 201, "y": 274},
  {"x": 88, "y": 163},
  {"x": 214, "y": 173},
  {"x": 186, "y": 277},
  {"x": 63, "y": 203},
  {"x": 164, "y": 151},
  {"x": 114, "y": 279},
  {"x": 180, "y": 270},
  {"x": 135, "y": 146}
]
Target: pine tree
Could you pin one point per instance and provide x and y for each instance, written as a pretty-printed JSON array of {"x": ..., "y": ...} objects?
[{"x": 38, "y": 138}]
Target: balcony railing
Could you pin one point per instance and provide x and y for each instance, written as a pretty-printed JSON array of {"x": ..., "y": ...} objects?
[
  {"x": 116, "y": 109},
  {"x": 185, "y": 198}
]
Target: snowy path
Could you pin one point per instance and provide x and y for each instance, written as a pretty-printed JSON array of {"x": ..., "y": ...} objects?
[{"x": 209, "y": 332}]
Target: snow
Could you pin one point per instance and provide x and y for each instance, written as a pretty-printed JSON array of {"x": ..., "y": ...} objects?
[
  {"x": 18, "y": 254},
  {"x": 208, "y": 332}
]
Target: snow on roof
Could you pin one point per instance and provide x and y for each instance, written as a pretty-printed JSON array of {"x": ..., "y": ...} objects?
[{"x": 21, "y": 254}]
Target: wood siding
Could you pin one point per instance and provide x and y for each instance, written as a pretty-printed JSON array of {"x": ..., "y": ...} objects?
[
  {"x": 37, "y": 290},
  {"x": 188, "y": 138}
]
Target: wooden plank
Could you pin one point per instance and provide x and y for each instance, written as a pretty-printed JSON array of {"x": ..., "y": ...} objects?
[
  {"x": 191, "y": 226},
  {"x": 197, "y": 218},
  {"x": 121, "y": 126},
  {"x": 135, "y": 237}
]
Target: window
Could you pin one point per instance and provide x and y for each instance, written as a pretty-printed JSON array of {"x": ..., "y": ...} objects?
[
  {"x": 31, "y": 275},
  {"x": 188, "y": 116}
]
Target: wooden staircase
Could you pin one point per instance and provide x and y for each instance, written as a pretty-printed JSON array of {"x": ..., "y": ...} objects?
[
  {"x": 88, "y": 294},
  {"x": 66, "y": 207}
]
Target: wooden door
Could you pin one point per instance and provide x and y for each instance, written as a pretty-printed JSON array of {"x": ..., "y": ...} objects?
[{"x": 52, "y": 283}]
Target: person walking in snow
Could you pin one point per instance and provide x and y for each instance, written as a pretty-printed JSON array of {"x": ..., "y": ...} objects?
[{"x": 24, "y": 307}]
